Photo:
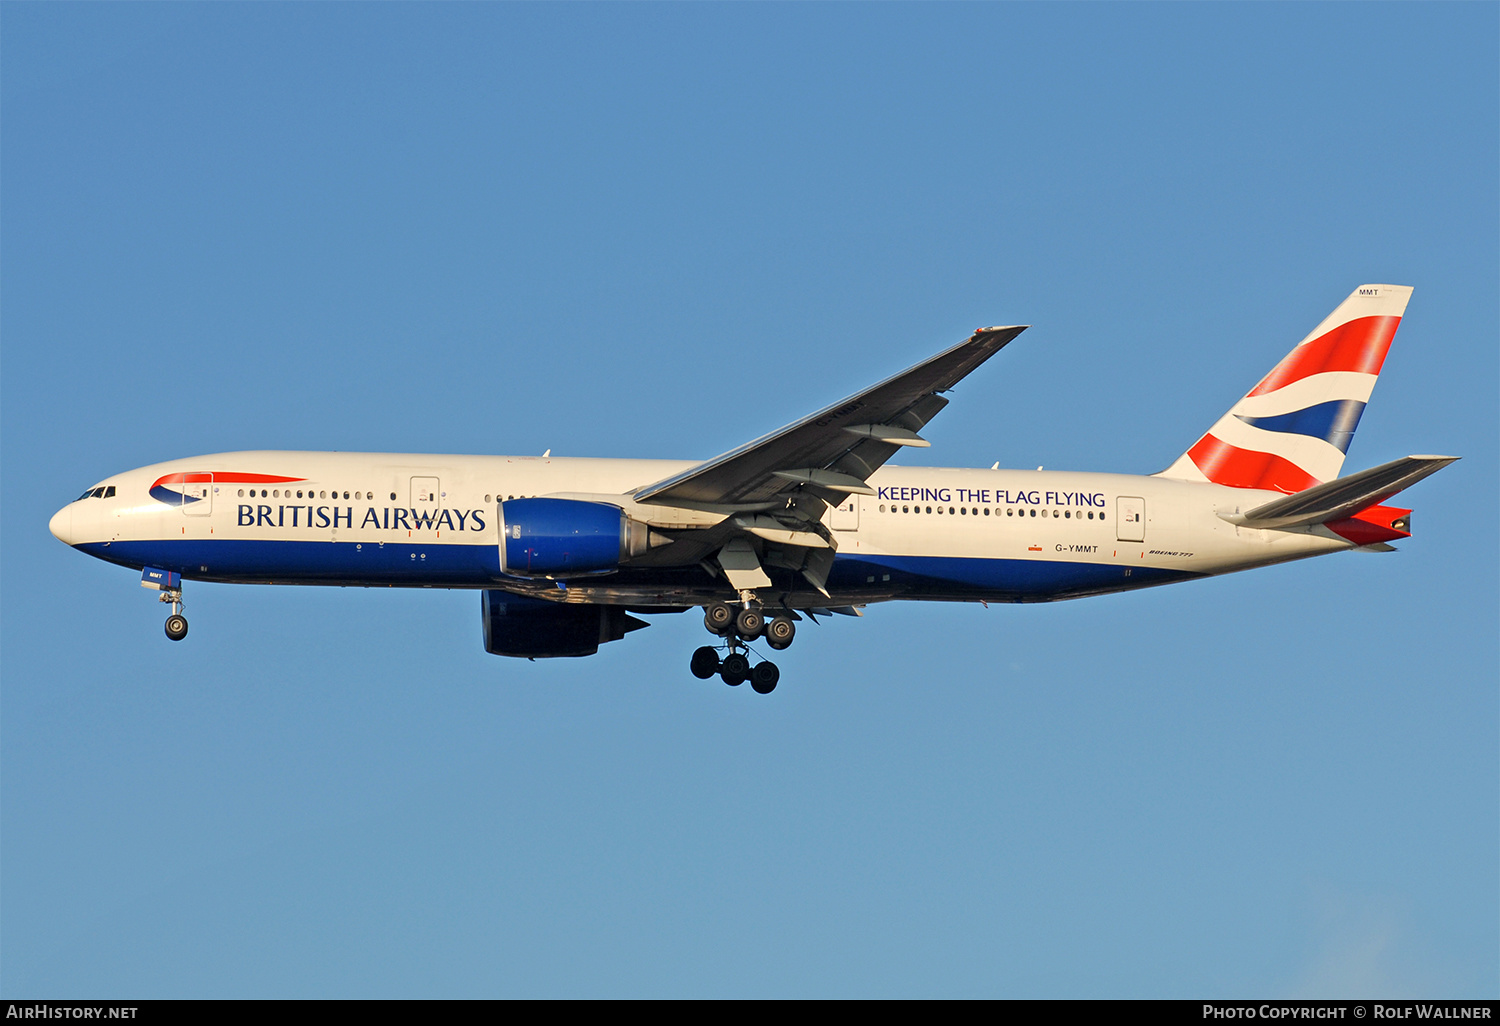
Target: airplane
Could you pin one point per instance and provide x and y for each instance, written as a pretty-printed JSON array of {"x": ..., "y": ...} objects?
[{"x": 808, "y": 520}]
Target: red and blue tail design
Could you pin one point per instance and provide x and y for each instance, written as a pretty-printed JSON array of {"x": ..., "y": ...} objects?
[{"x": 1292, "y": 431}]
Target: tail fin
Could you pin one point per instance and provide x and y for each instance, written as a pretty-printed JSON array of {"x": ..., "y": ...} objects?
[{"x": 1292, "y": 431}]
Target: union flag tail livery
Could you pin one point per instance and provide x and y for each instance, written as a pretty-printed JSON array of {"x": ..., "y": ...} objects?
[
  {"x": 809, "y": 520},
  {"x": 1292, "y": 431}
]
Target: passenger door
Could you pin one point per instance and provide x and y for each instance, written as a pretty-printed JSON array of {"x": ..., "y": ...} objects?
[
  {"x": 846, "y": 516},
  {"x": 426, "y": 499},
  {"x": 1130, "y": 518},
  {"x": 197, "y": 494}
]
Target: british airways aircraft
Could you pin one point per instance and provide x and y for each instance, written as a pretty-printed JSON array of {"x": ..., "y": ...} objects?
[{"x": 804, "y": 521}]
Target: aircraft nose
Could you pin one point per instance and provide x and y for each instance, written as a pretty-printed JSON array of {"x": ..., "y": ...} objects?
[{"x": 62, "y": 524}]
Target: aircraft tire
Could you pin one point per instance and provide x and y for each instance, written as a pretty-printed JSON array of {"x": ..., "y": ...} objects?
[
  {"x": 780, "y": 632},
  {"x": 718, "y": 618},
  {"x": 705, "y": 663},
  {"x": 177, "y": 626},
  {"x": 764, "y": 677},
  {"x": 734, "y": 669},
  {"x": 749, "y": 624}
]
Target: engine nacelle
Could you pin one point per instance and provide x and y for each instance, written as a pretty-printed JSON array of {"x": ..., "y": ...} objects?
[
  {"x": 563, "y": 537},
  {"x": 515, "y": 625}
]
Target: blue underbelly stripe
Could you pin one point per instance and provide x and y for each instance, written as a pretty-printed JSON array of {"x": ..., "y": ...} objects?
[
  {"x": 453, "y": 565},
  {"x": 309, "y": 562},
  {"x": 957, "y": 575}
]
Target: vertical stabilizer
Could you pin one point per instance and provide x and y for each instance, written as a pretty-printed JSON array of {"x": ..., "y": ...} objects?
[{"x": 1292, "y": 431}]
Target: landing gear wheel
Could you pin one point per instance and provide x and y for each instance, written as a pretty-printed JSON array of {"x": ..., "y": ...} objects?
[
  {"x": 779, "y": 633},
  {"x": 718, "y": 618},
  {"x": 176, "y": 626},
  {"x": 705, "y": 663},
  {"x": 749, "y": 624},
  {"x": 764, "y": 677},
  {"x": 734, "y": 669}
]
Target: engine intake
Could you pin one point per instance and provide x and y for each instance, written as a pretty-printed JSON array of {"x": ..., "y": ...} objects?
[{"x": 562, "y": 537}]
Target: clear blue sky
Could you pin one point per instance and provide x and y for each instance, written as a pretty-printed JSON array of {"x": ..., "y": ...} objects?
[{"x": 638, "y": 230}]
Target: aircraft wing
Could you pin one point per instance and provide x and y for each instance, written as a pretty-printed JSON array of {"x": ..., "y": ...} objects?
[{"x": 832, "y": 452}]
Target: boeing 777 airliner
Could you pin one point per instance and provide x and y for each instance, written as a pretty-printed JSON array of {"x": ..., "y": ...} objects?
[{"x": 804, "y": 521}]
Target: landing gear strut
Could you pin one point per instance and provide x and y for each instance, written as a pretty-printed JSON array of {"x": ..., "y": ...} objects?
[
  {"x": 176, "y": 623},
  {"x": 738, "y": 628}
]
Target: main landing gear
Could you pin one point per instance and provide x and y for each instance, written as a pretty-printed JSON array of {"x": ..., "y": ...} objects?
[{"x": 738, "y": 629}]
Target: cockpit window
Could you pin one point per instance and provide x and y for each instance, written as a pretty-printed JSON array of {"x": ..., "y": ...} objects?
[
  {"x": 109, "y": 493},
  {"x": 99, "y": 492},
  {"x": 85, "y": 495}
]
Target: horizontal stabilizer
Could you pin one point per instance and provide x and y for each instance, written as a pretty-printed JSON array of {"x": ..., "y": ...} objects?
[{"x": 1344, "y": 496}]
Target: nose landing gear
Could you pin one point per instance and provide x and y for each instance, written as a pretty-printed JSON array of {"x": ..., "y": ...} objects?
[
  {"x": 176, "y": 623},
  {"x": 737, "y": 629},
  {"x": 169, "y": 584}
]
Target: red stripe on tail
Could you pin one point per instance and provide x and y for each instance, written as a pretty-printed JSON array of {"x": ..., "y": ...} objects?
[
  {"x": 1230, "y": 465},
  {"x": 1359, "y": 345}
]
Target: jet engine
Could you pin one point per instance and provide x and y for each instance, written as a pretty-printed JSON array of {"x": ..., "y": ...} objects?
[
  {"x": 515, "y": 625},
  {"x": 563, "y": 537}
]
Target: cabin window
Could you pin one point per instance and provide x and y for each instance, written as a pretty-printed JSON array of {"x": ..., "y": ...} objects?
[
  {"x": 986, "y": 511},
  {"x": 393, "y": 496}
]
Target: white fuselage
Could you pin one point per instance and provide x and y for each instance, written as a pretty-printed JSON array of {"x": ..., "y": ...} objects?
[{"x": 403, "y": 520}]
